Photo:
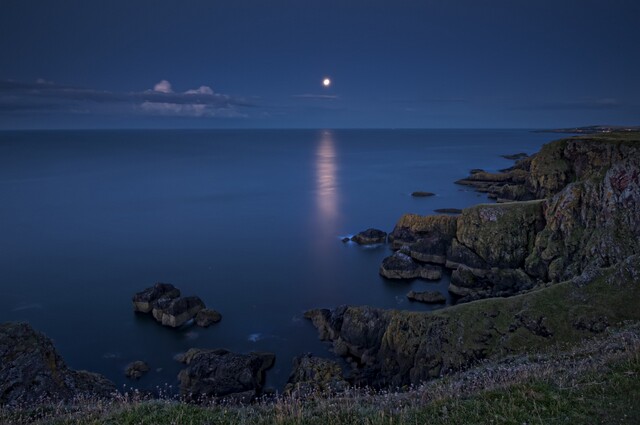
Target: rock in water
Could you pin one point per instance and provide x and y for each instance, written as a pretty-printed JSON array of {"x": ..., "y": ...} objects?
[
  {"x": 207, "y": 317},
  {"x": 370, "y": 237},
  {"x": 431, "y": 297},
  {"x": 32, "y": 371},
  {"x": 221, "y": 373},
  {"x": 144, "y": 301},
  {"x": 312, "y": 374},
  {"x": 401, "y": 266},
  {"x": 420, "y": 194},
  {"x": 176, "y": 312},
  {"x": 135, "y": 370}
]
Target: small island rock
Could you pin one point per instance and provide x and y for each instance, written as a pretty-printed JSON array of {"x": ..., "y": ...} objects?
[
  {"x": 207, "y": 317},
  {"x": 370, "y": 237},
  {"x": 144, "y": 301},
  {"x": 176, "y": 312},
  {"x": 135, "y": 370},
  {"x": 420, "y": 194}
]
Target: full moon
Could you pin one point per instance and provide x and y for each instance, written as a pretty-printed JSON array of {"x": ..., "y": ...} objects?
[{"x": 326, "y": 82}]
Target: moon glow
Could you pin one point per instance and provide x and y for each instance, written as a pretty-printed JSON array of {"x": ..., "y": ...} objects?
[{"x": 326, "y": 82}]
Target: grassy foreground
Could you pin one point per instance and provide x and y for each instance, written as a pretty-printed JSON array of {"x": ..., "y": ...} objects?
[{"x": 597, "y": 381}]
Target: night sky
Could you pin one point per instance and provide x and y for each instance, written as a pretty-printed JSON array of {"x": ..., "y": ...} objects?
[{"x": 260, "y": 63}]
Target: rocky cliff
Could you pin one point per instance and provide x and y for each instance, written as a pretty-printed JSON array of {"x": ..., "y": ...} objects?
[{"x": 563, "y": 244}]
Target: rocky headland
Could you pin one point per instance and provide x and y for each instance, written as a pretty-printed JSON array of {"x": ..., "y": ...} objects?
[{"x": 555, "y": 261}]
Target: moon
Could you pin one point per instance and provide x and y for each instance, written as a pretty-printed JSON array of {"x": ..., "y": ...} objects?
[{"x": 326, "y": 82}]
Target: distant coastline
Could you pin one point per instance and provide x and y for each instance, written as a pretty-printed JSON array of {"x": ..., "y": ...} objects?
[{"x": 591, "y": 129}]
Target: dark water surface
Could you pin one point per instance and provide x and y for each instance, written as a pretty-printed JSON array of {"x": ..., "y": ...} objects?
[{"x": 250, "y": 221}]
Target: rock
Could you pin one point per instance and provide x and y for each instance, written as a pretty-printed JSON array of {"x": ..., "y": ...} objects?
[
  {"x": 135, "y": 370},
  {"x": 32, "y": 371},
  {"x": 144, "y": 301},
  {"x": 312, "y": 374},
  {"x": 515, "y": 156},
  {"x": 412, "y": 227},
  {"x": 422, "y": 194},
  {"x": 448, "y": 210},
  {"x": 370, "y": 237},
  {"x": 396, "y": 348},
  {"x": 177, "y": 311},
  {"x": 207, "y": 317},
  {"x": 223, "y": 374},
  {"x": 476, "y": 171},
  {"x": 345, "y": 240},
  {"x": 432, "y": 297},
  {"x": 402, "y": 266}
]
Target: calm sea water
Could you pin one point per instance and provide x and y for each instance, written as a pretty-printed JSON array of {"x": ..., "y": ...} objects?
[{"x": 250, "y": 221}]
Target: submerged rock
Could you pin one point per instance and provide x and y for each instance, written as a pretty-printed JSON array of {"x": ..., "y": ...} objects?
[
  {"x": 135, "y": 370},
  {"x": 420, "y": 194},
  {"x": 176, "y": 312},
  {"x": 144, "y": 301},
  {"x": 31, "y": 370},
  {"x": 314, "y": 374},
  {"x": 223, "y": 374},
  {"x": 370, "y": 237},
  {"x": 207, "y": 317},
  {"x": 430, "y": 297},
  {"x": 401, "y": 266}
]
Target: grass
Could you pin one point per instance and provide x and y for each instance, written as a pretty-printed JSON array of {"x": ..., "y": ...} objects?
[{"x": 597, "y": 381}]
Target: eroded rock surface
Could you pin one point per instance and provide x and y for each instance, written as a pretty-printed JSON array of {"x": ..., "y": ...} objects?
[
  {"x": 312, "y": 374},
  {"x": 223, "y": 374},
  {"x": 31, "y": 370},
  {"x": 370, "y": 237}
]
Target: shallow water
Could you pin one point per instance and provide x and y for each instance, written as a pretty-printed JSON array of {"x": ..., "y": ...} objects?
[{"x": 250, "y": 221}]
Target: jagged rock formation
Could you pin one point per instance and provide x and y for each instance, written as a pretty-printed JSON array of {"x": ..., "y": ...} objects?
[
  {"x": 430, "y": 297},
  {"x": 398, "y": 348},
  {"x": 312, "y": 374},
  {"x": 370, "y": 237},
  {"x": 582, "y": 208},
  {"x": 31, "y": 370},
  {"x": 402, "y": 266},
  {"x": 223, "y": 374},
  {"x": 136, "y": 370}
]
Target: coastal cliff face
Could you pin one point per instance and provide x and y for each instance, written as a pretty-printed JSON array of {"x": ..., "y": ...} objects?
[
  {"x": 563, "y": 244},
  {"x": 582, "y": 210}
]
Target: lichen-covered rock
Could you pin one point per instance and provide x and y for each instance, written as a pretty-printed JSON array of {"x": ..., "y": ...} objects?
[
  {"x": 370, "y": 237},
  {"x": 177, "y": 311},
  {"x": 412, "y": 227},
  {"x": 223, "y": 374},
  {"x": 31, "y": 370},
  {"x": 135, "y": 370},
  {"x": 472, "y": 284},
  {"x": 429, "y": 297},
  {"x": 500, "y": 235},
  {"x": 312, "y": 374},
  {"x": 401, "y": 266},
  {"x": 206, "y": 317},
  {"x": 144, "y": 301}
]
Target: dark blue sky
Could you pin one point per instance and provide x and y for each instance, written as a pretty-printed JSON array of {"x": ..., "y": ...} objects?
[{"x": 258, "y": 63}]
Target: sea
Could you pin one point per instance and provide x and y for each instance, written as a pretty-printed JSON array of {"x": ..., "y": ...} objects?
[{"x": 251, "y": 221}]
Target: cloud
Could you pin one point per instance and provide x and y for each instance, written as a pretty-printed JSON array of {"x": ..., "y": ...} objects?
[
  {"x": 43, "y": 96},
  {"x": 163, "y": 87}
]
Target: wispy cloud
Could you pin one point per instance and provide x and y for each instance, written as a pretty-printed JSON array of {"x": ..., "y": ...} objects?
[{"x": 20, "y": 96}]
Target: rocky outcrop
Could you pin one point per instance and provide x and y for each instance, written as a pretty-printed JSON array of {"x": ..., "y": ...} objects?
[
  {"x": 166, "y": 305},
  {"x": 176, "y": 312},
  {"x": 222, "y": 374},
  {"x": 207, "y": 317},
  {"x": 370, "y": 237},
  {"x": 401, "y": 266},
  {"x": 137, "y": 369},
  {"x": 397, "y": 348},
  {"x": 144, "y": 301},
  {"x": 312, "y": 374},
  {"x": 421, "y": 194},
  {"x": 429, "y": 297},
  {"x": 31, "y": 370}
]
